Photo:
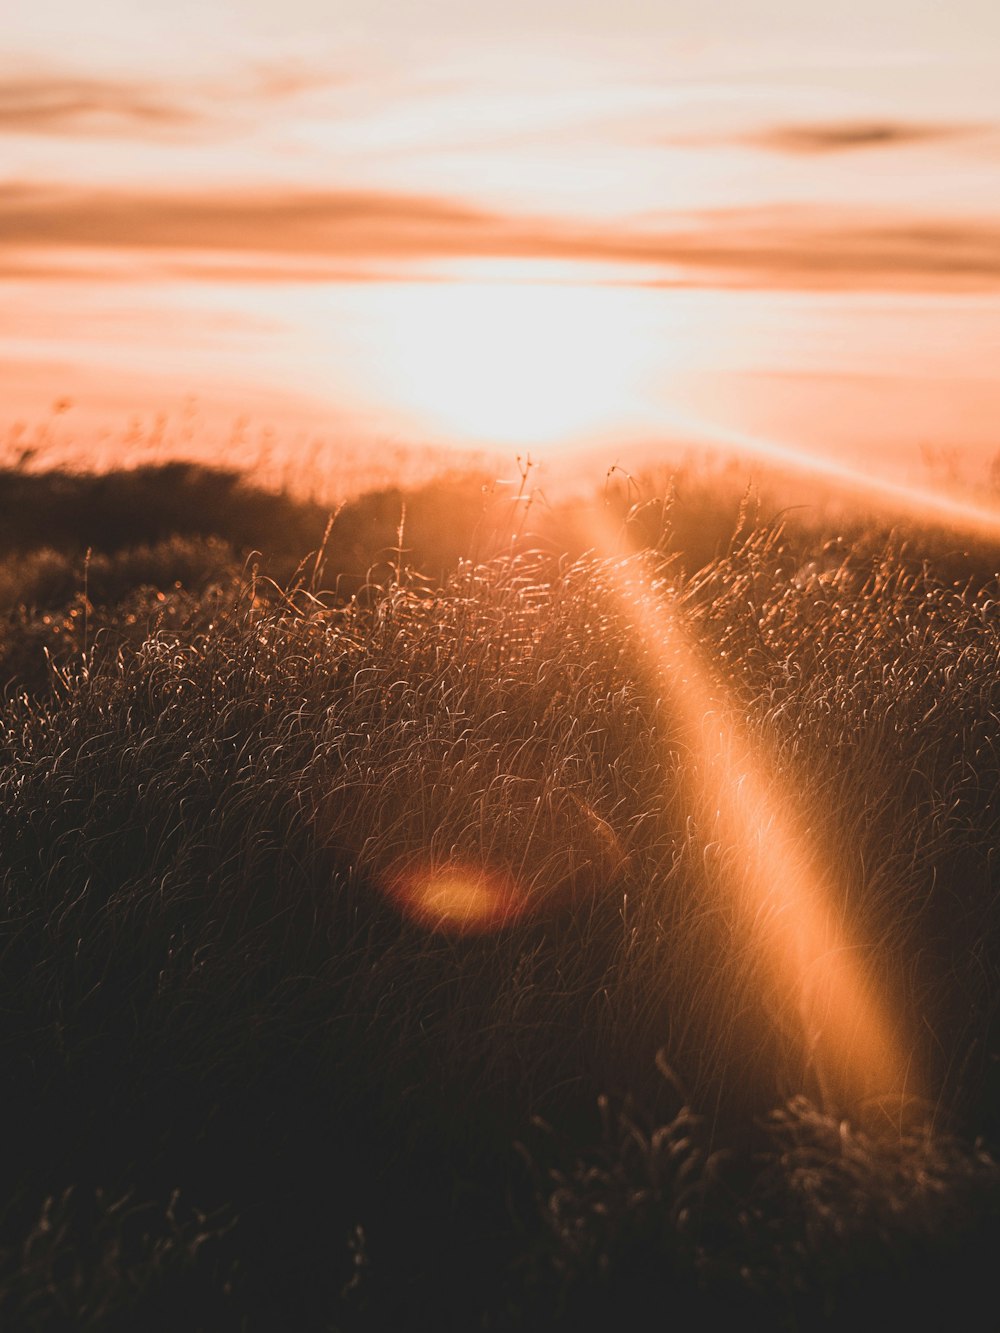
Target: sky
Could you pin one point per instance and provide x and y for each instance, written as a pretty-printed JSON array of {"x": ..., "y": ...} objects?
[{"x": 515, "y": 223}]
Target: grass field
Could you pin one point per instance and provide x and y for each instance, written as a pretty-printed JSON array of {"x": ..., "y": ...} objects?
[{"x": 378, "y": 952}]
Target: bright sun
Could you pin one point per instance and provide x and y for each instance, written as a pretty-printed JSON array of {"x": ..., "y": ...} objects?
[{"x": 514, "y": 363}]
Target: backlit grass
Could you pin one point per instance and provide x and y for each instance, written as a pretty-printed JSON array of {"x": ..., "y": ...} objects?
[{"x": 258, "y": 1077}]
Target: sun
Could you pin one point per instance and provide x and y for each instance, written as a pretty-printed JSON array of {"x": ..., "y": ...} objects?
[{"x": 518, "y": 363}]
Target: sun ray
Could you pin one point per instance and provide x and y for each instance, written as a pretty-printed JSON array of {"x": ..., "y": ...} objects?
[
  {"x": 917, "y": 502},
  {"x": 785, "y": 902}
]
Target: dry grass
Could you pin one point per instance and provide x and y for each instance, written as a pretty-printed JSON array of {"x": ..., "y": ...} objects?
[{"x": 207, "y": 987}]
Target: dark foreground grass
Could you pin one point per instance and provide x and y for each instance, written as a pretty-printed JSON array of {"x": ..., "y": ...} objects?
[
  {"x": 244, "y": 1090},
  {"x": 113, "y": 556}
]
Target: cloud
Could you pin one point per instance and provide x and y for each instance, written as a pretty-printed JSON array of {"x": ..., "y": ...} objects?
[
  {"x": 854, "y": 136},
  {"x": 327, "y": 223},
  {"x": 57, "y": 103},
  {"x": 812, "y": 248},
  {"x": 283, "y": 80},
  {"x": 67, "y": 104},
  {"x": 282, "y": 233}
]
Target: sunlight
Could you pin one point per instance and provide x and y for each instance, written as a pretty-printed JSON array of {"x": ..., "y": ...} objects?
[
  {"x": 516, "y": 363},
  {"x": 787, "y": 906},
  {"x": 918, "y": 502}
]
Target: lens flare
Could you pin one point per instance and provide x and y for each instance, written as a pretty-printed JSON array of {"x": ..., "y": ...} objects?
[
  {"x": 456, "y": 898},
  {"x": 918, "y": 502},
  {"x": 784, "y": 903}
]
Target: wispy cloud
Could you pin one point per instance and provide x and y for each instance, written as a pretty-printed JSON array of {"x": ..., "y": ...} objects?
[
  {"x": 828, "y": 138},
  {"x": 328, "y": 223},
  {"x": 73, "y": 105},
  {"x": 63, "y": 104},
  {"x": 282, "y": 80},
  {"x": 855, "y": 135},
  {"x": 814, "y": 247},
  {"x": 282, "y": 234}
]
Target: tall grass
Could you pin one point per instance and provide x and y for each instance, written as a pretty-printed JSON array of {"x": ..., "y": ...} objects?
[{"x": 209, "y": 987}]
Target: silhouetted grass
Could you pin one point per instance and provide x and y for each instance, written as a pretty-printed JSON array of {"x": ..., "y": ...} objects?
[
  {"x": 244, "y": 1091},
  {"x": 94, "y": 558}
]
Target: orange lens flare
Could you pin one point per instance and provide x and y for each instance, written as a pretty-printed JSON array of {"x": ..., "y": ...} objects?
[
  {"x": 783, "y": 903},
  {"x": 457, "y": 898},
  {"x": 918, "y": 502}
]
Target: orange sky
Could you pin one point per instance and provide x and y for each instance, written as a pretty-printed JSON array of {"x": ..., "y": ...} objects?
[{"x": 215, "y": 164}]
